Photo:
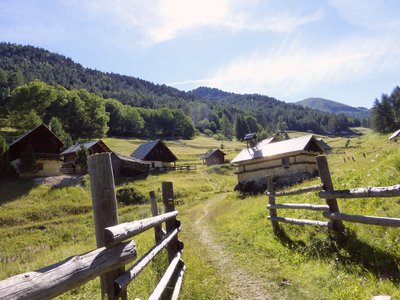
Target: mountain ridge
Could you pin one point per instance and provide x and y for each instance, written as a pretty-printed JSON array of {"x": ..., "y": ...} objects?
[
  {"x": 21, "y": 64},
  {"x": 326, "y": 105}
]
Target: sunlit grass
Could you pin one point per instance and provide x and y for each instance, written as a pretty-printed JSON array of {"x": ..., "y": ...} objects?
[{"x": 40, "y": 225}]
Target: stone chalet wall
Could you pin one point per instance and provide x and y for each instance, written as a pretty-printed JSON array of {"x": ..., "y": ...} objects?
[{"x": 284, "y": 170}]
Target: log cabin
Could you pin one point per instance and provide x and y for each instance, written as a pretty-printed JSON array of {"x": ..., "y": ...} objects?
[
  {"x": 156, "y": 154},
  {"x": 214, "y": 157},
  {"x": 288, "y": 161},
  {"x": 125, "y": 166},
  {"x": 69, "y": 155},
  {"x": 46, "y": 148}
]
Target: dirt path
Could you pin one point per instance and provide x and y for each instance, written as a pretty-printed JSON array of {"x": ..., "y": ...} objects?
[{"x": 242, "y": 284}]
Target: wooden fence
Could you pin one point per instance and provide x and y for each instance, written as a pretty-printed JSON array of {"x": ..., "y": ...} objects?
[
  {"x": 330, "y": 210},
  {"x": 174, "y": 168},
  {"x": 113, "y": 252}
]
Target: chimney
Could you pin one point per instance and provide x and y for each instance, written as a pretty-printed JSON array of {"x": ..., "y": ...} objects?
[{"x": 250, "y": 139}]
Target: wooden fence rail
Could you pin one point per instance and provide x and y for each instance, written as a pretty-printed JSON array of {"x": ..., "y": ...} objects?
[
  {"x": 112, "y": 253},
  {"x": 331, "y": 209},
  {"x": 54, "y": 280},
  {"x": 369, "y": 192}
]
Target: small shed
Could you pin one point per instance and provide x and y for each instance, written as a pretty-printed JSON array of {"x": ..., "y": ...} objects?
[
  {"x": 214, "y": 157},
  {"x": 156, "y": 154},
  {"x": 125, "y": 166},
  {"x": 46, "y": 147},
  {"x": 288, "y": 161},
  {"x": 70, "y": 154}
]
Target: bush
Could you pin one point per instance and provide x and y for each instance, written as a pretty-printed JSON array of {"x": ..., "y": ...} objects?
[
  {"x": 28, "y": 161},
  {"x": 5, "y": 166},
  {"x": 81, "y": 159},
  {"x": 220, "y": 169},
  {"x": 130, "y": 195}
]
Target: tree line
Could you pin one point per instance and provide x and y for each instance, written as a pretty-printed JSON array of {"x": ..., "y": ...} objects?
[
  {"x": 78, "y": 114},
  {"x": 212, "y": 111},
  {"x": 385, "y": 115}
]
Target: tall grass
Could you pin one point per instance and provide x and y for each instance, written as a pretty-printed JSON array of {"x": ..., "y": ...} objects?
[{"x": 40, "y": 225}]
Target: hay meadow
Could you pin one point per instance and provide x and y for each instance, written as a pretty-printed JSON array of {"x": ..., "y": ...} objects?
[{"x": 41, "y": 225}]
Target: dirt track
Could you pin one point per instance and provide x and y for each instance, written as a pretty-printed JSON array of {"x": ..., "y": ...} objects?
[{"x": 242, "y": 284}]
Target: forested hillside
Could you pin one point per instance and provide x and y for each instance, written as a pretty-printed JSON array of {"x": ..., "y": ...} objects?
[
  {"x": 138, "y": 109},
  {"x": 334, "y": 107}
]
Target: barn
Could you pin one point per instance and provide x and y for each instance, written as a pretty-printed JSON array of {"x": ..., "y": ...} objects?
[
  {"x": 156, "y": 154},
  {"x": 46, "y": 148},
  {"x": 125, "y": 166},
  {"x": 288, "y": 161},
  {"x": 214, "y": 157},
  {"x": 69, "y": 154}
]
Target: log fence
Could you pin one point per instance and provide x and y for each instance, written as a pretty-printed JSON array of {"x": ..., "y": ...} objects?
[
  {"x": 174, "y": 168},
  {"x": 113, "y": 252},
  {"x": 330, "y": 210}
]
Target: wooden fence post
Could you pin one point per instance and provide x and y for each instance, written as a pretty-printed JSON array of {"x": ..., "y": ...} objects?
[
  {"x": 105, "y": 211},
  {"x": 158, "y": 232},
  {"x": 271, "y": 201},
  {"x": 168, "y": 201},
  {"x": 327, "y": 185}
]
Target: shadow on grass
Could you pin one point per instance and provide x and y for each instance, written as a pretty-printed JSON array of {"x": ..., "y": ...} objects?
[
  {"x": 349, "y": 252},
  {"x": 11, "y": 189}
]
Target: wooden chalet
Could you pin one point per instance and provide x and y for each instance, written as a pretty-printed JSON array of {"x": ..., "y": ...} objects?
[
  {"x": 46, "y": 147},
  {"x": 69, "y": 155},
  {"x": 288, "y": 161},
  {"x": 125, "y": 166},
  {"x": 214, "y": 157},
  {"x": 156, "y": 154}
]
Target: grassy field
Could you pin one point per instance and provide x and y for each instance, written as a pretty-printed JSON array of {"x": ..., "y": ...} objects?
[{"x": 41, "y": 225}]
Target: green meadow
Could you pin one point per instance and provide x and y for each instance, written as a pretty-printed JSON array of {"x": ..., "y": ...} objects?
[{"x": 230, "y": 251}]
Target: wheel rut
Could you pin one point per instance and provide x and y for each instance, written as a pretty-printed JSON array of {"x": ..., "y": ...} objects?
[{"x": 242, "y": 284}]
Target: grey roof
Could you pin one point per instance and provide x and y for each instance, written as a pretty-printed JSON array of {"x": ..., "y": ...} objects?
[
  {"x": 249, "y": 136},
  {"x": 395, "y": 134},
  {"x": 265, "y": 142},
  {"x": 207, "y": 155},
  {"x": 128, "y": 158},
  {"x": 76, "y": 147},
  {"x": 144, "y": 149},
  {"x": 273, "y": 149},
  {"x": 324, "y": 146},
  {"x": 29, "y": 132}
]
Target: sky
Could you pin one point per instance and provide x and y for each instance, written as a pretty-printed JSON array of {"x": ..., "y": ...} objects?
[{"x": 342, "y": 50}]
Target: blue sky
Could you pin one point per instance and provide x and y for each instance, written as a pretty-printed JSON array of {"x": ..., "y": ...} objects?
[{"x": 342, "y": 50}]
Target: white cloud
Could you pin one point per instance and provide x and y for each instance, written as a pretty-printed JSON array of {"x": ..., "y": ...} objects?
[
  {"x": 377, "y": 14},
  {"x": 295, "y": 67},
  {"x": 161, "y": 20}
]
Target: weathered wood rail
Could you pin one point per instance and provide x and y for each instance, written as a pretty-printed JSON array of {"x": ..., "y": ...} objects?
[
  {"x": 113, "y": 253},
  {"x": 174, "y": 168},
  {"x": 330, "y": 210}
]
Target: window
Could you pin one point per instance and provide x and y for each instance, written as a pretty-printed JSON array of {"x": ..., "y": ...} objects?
[{"x": 285, "y": 162}]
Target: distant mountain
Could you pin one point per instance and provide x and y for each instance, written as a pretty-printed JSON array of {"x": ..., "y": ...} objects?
[{"x": 334, "y": 107}]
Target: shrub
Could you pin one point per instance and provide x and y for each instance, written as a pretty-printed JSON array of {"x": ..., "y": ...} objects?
[
  {"x": 220, "y": 169},
  {"x": 130, "y": 195},
  {"x": 81, "y": 159},
  {"x": 28, "y": 161},
  {"x": 4, "y": 158}
]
